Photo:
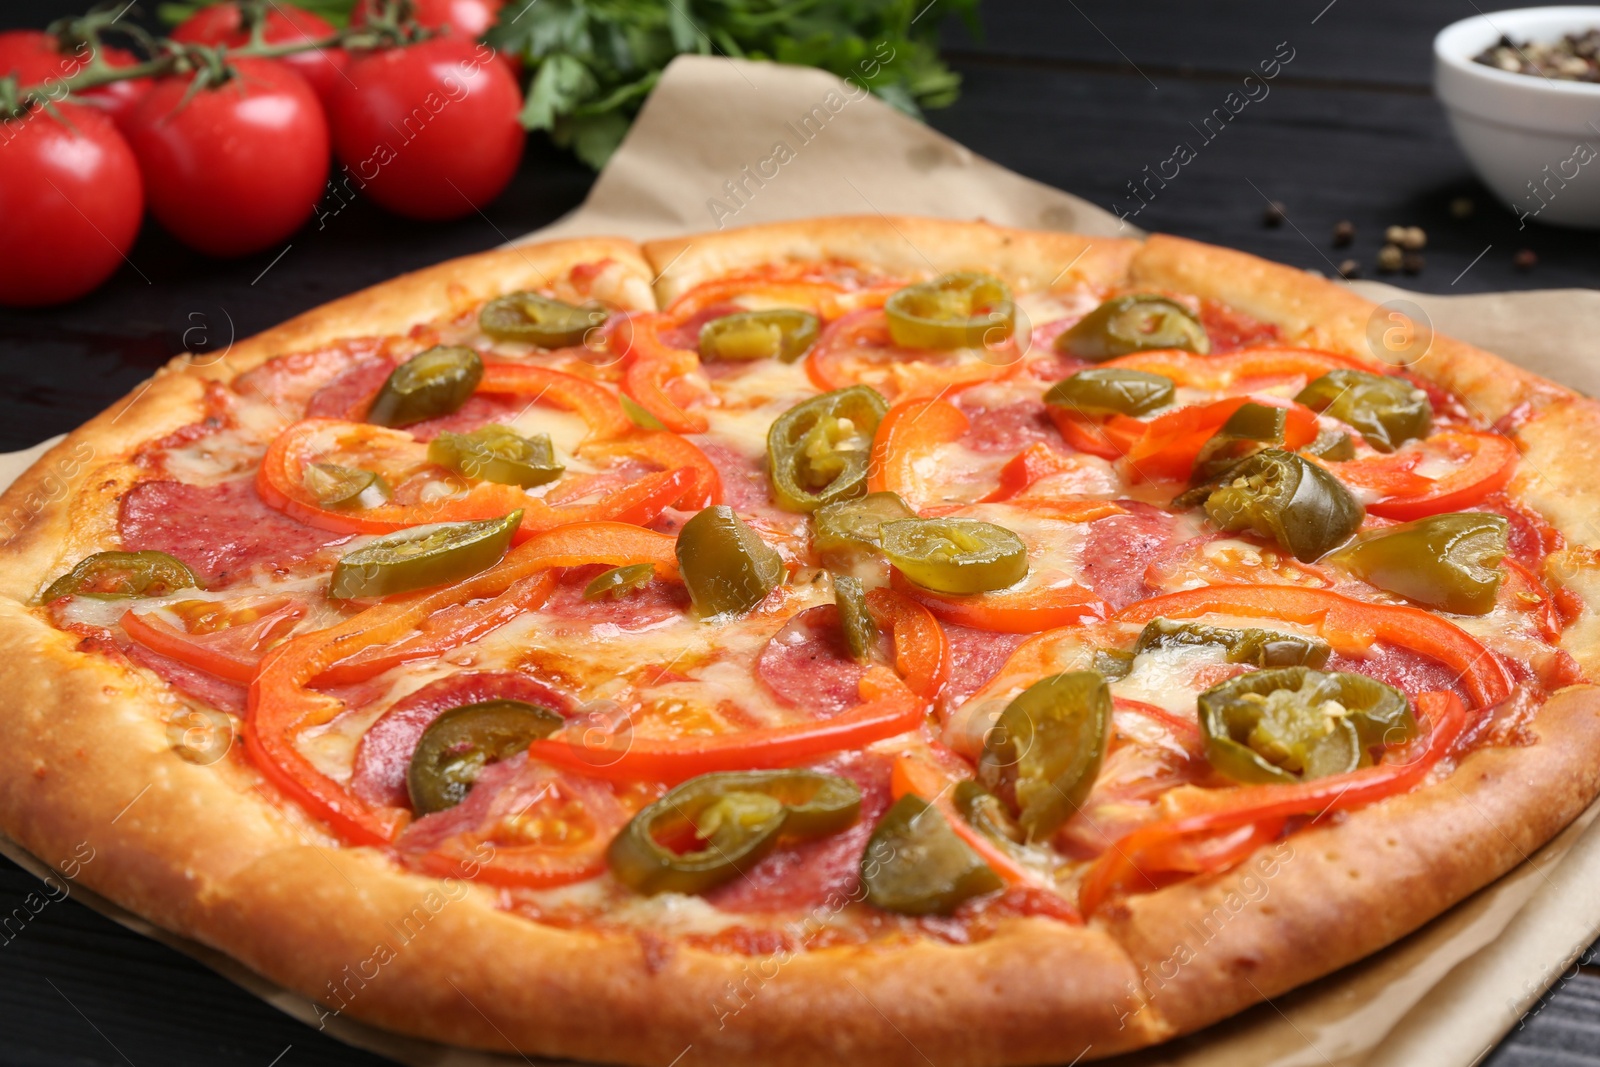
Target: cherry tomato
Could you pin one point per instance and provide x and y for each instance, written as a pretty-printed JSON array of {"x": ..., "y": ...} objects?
[
  {"x": 36, "y": 57},
  {"x": 466, "y": 18},
  {"x": 223, "y": 24},
  {"x": 71, "y": 198},
  {"x": 429, "y": 131},
  {"x": 236, "y": 167}
]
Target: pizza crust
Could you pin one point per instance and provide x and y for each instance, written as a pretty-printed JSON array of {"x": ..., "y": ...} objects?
[{"x": 89, "y": 757}]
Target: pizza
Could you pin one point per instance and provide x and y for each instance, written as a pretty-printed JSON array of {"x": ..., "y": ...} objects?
[{"x": 847, "y": 641}]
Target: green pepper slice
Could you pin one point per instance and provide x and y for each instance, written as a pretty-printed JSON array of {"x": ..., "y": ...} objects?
[
  {"x": 818, "y": 450},
  {"x": 1112, "y": 663},
  {"x": 725, "y": 564},
  {"x": 915, "y": 864},
  {"x": 961, "y": 310},
  {"x": 1247, "y": 431},
  {"x": 987, "y": 814},
  {"x": 345, "y": 487},
  {"x": 122, "y": 576},
  {"x": 1293, "y": 724},
  {"x": 1388, "y": 411},
  {"x": 852, "y": 526},
  {"x": 1103, "y": 391},
  {"x": 416, "y": 559},
  {"x": 427, "y": 385},
  {"x": 618, "y": 582},
  {"x": 777, "y": 333},
  {"x": 459, "y": 744},
  {"x": 1286, "y": 497},
  {"x": 498, "y": 454},
  {"x": 1137, "y": 322},
  {"x": 1334, "y": 445},
  {"x": 538, "y": 320},
  {"x": 1046, "y": 748},
  {"x": 1450, "y": 562},
  {"x": 732, "y": 818},
  {"x": 1257, "y": 647},
  {"x": 955, "y": 555},
  {"x": 860, "y": 631}
]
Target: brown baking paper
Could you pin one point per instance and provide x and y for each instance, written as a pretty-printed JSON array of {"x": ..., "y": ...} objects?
[{"x": 729, "y": 143}]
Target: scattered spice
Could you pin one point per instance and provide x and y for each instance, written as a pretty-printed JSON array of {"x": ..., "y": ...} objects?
[
  {"x": 1413, "y": 239},
  {"x": 1394, "y": 235},
  {"x": 1525, "y": 259},
  {"x": 1411, "y": 262},
  {"x": 1274, "y": 215},
  {"x": 1390, "y": 258},
  {"x": 1344, "y": 231},
  {"x": 1349, "y": 268},
  {"x": 1576, "y": 57},
  {"x": 1462, "y": 207}
]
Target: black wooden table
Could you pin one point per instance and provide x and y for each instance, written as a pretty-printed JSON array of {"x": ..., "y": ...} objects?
[{"x": 1081, "y": 94}]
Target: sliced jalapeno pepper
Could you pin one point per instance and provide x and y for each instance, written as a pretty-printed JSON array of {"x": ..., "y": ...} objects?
[
  {"x": 1332, "y": 445},
  {"x": 427, "y": 385},
  {"x": 853, "y": 525},
  {"x": 498, "y": 454},
  {"x": 416, "y": 559},
  {"x": 725, "y": 564},
  {"x": 458, "y": 745},
  {"x": 1046, "y": 747},
  {"x": 1112, "y": 663},
  {"x": 778, "y": 333},
  {"x": 1294, "y": 723},
  {"x": 1247, "y": 431},
  {"x": 121, "y": 576},
  {"x": 731, "y": 820},
  {"x": 1137, "y": 322},
  {"x": 915, "y": 864},
  {"x": 962, "y": 310},
  {"x": 618, "y": 582},
  {"x": 1388, "y": 411},
  {"x": 818, "y": 450},
  {"x": 538, "y": 320},
  {"x": 1099, "y": 391},
  {"x": 1257, "y": 647},
  {"x": 1286, "y": 497},
  {"x": 345, "y": 487},
  {"x": 987, "y": 814},
  {"x": 1450, "y": 562},
  {"x": 955, "y": 555},
  {"x": 860, "y": 632}
]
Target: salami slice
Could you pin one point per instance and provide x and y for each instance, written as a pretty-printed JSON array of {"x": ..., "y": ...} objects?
[
  {"x": 807, "y": 663},
  {"x": 975, "y": 657},
  {"x": 1120, "y": 548}
]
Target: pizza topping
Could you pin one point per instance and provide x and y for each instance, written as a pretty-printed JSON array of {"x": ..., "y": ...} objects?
[
  {"x": 1335, "y": 445},
  {"x": 122, "y": 575},
  {"x": 1046, "y": 748},
  {"x": 1134, "y": 323},
  {"x": 1248, "y": 430},
  {"x": 1449, "y": 471},
  {"x": 705, "y": 831},
  {"x": 456, "y": 746},
  {"x": 618, "y": 582},
  {"x": 1388, "y": 411},
  {"x": 1292, "y": 724},
  {"x": 422, "y": 557},
  {"x": 1253, "y": 646},
  {"x": 427, "y": 385},
  {"x": 916, "y": 864},
  {"x": 726, "y": 565},
  {"x": 1450, "y": 562},
  {"x": 955, "y": 555},
  {"x": 345, "y": 487},
  {"x": 776, "y": 333},
  {"x": 1101, "y": 391},
  {"x": 962, "y": 310},
  {"x": 227, "y": 639},
  {"x": 860, "y": 631},
  {"x": 846, "y": 530},
  {"x": 809, "y": 662},
  {"x": 498, "y": 454},
  {"x": 1288, "y": 499},
  {"x": 538, "y": 320},
  {"x": 817, "y": 452}
]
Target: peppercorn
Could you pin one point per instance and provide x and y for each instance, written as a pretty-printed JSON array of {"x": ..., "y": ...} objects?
[
  {"x": 1394, "y": 235},
  {"x": 1344, "y": 231},
  {"x": 1413, "y": 239},
  {"x": 1349, "y": 268},
  {"x": 1411, "y": 262},
  {"x": 1525, "y": 259},
  {"x": 1389, "y": 258},
  {"x": 1274, "y": 214},
  {"x": 1461, "y": 207}
]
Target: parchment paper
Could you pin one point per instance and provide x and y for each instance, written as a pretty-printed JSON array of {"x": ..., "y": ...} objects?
[{"x": 1443, "y": 996}]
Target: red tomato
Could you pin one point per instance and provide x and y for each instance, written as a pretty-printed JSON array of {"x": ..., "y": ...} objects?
[
  {"x": 466, "y": 18},
  {"x": 429, "y": 131},
  {"x": 235, "y": 168},
  {"x": 36, "y": 57},
  {"x": 222, "y": 24},
  {"x": 71, "y": 198}
]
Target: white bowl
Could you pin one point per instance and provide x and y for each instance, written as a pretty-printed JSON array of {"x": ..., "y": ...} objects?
[{"x": 1535, "y": 141}]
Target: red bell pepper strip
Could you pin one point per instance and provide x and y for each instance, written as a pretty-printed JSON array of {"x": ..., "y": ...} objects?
[
  {"x": 1034, "y": 463},
  {"x": 282, "y": 705},
  {"x": 593, "y": 403},
  {"x": 1217, "y": 372},
  {"x": 1489, "y": 461},
  {"x": 857, "y": 350},
  {"x": 921, "y": 649},
  {"x": 229, "y": 642},
  {"x": 1110, "y": 439},
  {"x": 1172, "y": 442},
  {"x": 654, "y": 375},
  {"x": 888, "y": 708},
  {"x": 1349, "y": 625},
  {"x": 910, "y": 430},
  {"x": 1026, "y": 611},
  {"x": 1139, "y": 855}
]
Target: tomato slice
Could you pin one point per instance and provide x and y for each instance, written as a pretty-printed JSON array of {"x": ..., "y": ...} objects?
[
  {"x": 1349, "y": 625},
  {"x": 227, "y": 639},
  {"x": 282, "y": 705},
  {"x": 1150, "y": 852},
  {"x": 909, "y": 431},
  {"x": 857, "y": 350},
  {"x": 1487, "y": 462}
]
